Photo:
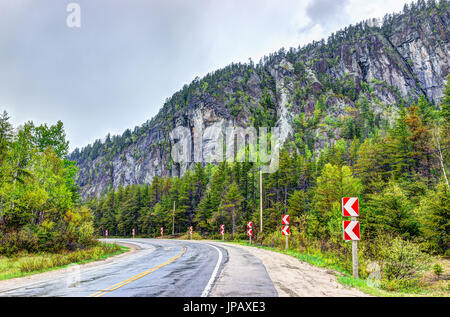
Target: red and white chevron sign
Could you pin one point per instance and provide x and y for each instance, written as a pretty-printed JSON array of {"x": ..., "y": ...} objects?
[
  {"x": 350, "y": 207},
  {"x": 249, "y": 232},
  {"x": 162, "y": 230},
  {"x": 249, "y": 224},
  {"x": 191, "y": 229},
  {"x": 106, "y": 232},
  {"x": 222, "y": 229},
  {"x": 285, "y": 219},
  {"x": 285, "y": 230},
  {"x": 351, "y": 230}
]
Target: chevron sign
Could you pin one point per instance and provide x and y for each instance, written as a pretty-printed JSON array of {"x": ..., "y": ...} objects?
[
  {"x": 249, "y": 232},
  {"x": 351, "y": 230},
  {"x": 249, "y": 224},
  {"x": 285, "y": 219},
  {"x": 350, "y": 207},
  {"x": 285, "y": 230}
]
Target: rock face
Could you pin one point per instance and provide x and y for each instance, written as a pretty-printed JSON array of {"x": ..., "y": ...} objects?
[{"x": 311, "y": 94}]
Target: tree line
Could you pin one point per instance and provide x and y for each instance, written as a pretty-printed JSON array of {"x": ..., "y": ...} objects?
[{"x": 40, "y": 207}]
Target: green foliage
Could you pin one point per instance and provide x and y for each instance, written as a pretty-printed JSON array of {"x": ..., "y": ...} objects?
[
  {"x": 391, "y": 212},
  {"x": 39, "y": 207},
  {"x": 437, "y": 270},
  {"x": 403, "y": 263},
  {"x": 434, "y": 214}
]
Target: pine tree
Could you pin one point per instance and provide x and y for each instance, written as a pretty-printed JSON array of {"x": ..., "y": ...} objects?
[
  {"x": 231, "y": 202},
  {"x": 434, "y": 213},
  {"x": 419, "y": 139},
  {"x": 5, "y": 135}
]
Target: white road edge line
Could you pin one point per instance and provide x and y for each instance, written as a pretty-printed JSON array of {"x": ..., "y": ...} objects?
[{"x": 214, "y": 274}]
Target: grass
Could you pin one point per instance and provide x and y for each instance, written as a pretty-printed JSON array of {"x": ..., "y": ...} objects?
[
  {"x": 440, "y": 288},
  {"x": 24, "y": 264}
]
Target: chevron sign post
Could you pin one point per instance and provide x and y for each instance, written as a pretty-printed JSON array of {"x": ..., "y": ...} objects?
[
  {"x": 191, "y": 231},
  {"x": 222, "y": 231},
  {"x": 162, "y": 231},
  {"x": 351, "y": 230},
  {"x": 250, "y": 230},
  {"x": 285, "y": 228}
]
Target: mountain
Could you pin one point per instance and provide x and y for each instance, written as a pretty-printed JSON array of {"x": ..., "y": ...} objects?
[{"x": 343, "y": 88}]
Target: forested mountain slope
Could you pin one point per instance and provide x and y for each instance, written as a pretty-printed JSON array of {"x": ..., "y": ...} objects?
[{"x": 345, "y": 88}]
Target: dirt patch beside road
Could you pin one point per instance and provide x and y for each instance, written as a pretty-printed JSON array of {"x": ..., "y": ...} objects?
[{"x": 293, "y": 278}]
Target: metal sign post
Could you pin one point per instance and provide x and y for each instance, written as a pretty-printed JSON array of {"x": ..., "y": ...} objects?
[
  {"x": 173, "y": 219},
  {"x": 285, "y": 232},
  {"x": 260, "y": 201},
  {"x": 355, "y": 255}
]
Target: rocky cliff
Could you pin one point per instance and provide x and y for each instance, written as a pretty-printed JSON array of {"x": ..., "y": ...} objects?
[{"x": 342, "y": 88}]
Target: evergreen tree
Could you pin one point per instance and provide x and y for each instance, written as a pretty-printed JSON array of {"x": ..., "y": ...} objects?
[{"x": 231, "y": 202}]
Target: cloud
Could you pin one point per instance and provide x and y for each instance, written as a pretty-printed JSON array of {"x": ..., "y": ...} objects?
[{"x": 327, "y": 12}]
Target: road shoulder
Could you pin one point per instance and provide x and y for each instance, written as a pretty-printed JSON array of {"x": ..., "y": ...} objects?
[
  {"x": 243, "y": 276},
  {"x": 293, "y": 278}
]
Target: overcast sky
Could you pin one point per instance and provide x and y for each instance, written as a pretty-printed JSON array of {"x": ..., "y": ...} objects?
[{"x": 128, "y": 56}]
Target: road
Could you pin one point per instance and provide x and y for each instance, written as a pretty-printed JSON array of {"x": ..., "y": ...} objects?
[{"x": 158, "y": 267}]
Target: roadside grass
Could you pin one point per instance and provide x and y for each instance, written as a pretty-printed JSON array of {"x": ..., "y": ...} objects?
[
  {"x": 24, "y": 264},
  {"x": 345, "y": 277}
]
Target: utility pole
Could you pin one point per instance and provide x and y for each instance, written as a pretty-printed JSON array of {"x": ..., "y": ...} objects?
[
  {"x": 173, "y": 219},
  {"x": 260, "y": 201}
]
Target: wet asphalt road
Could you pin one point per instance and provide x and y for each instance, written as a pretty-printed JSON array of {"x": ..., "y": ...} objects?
[{"x": 160, "y": 268}]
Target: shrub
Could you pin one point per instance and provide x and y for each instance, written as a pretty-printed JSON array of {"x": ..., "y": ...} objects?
[
  {"x": 437, "y": 269},
  {"x": 403, "y": 263},
  {"x": 35, "y": 264},
  {"x": 15, "y": 241}
]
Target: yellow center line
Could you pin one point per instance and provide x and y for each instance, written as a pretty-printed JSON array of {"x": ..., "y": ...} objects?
[{"x": 138, "y": 276}]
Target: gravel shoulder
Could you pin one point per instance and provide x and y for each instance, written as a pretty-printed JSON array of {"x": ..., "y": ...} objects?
[{"x": 293, "y": 278}]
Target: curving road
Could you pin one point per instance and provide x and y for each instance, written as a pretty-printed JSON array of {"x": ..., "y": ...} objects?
[{"x": 165, "y": 268}]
